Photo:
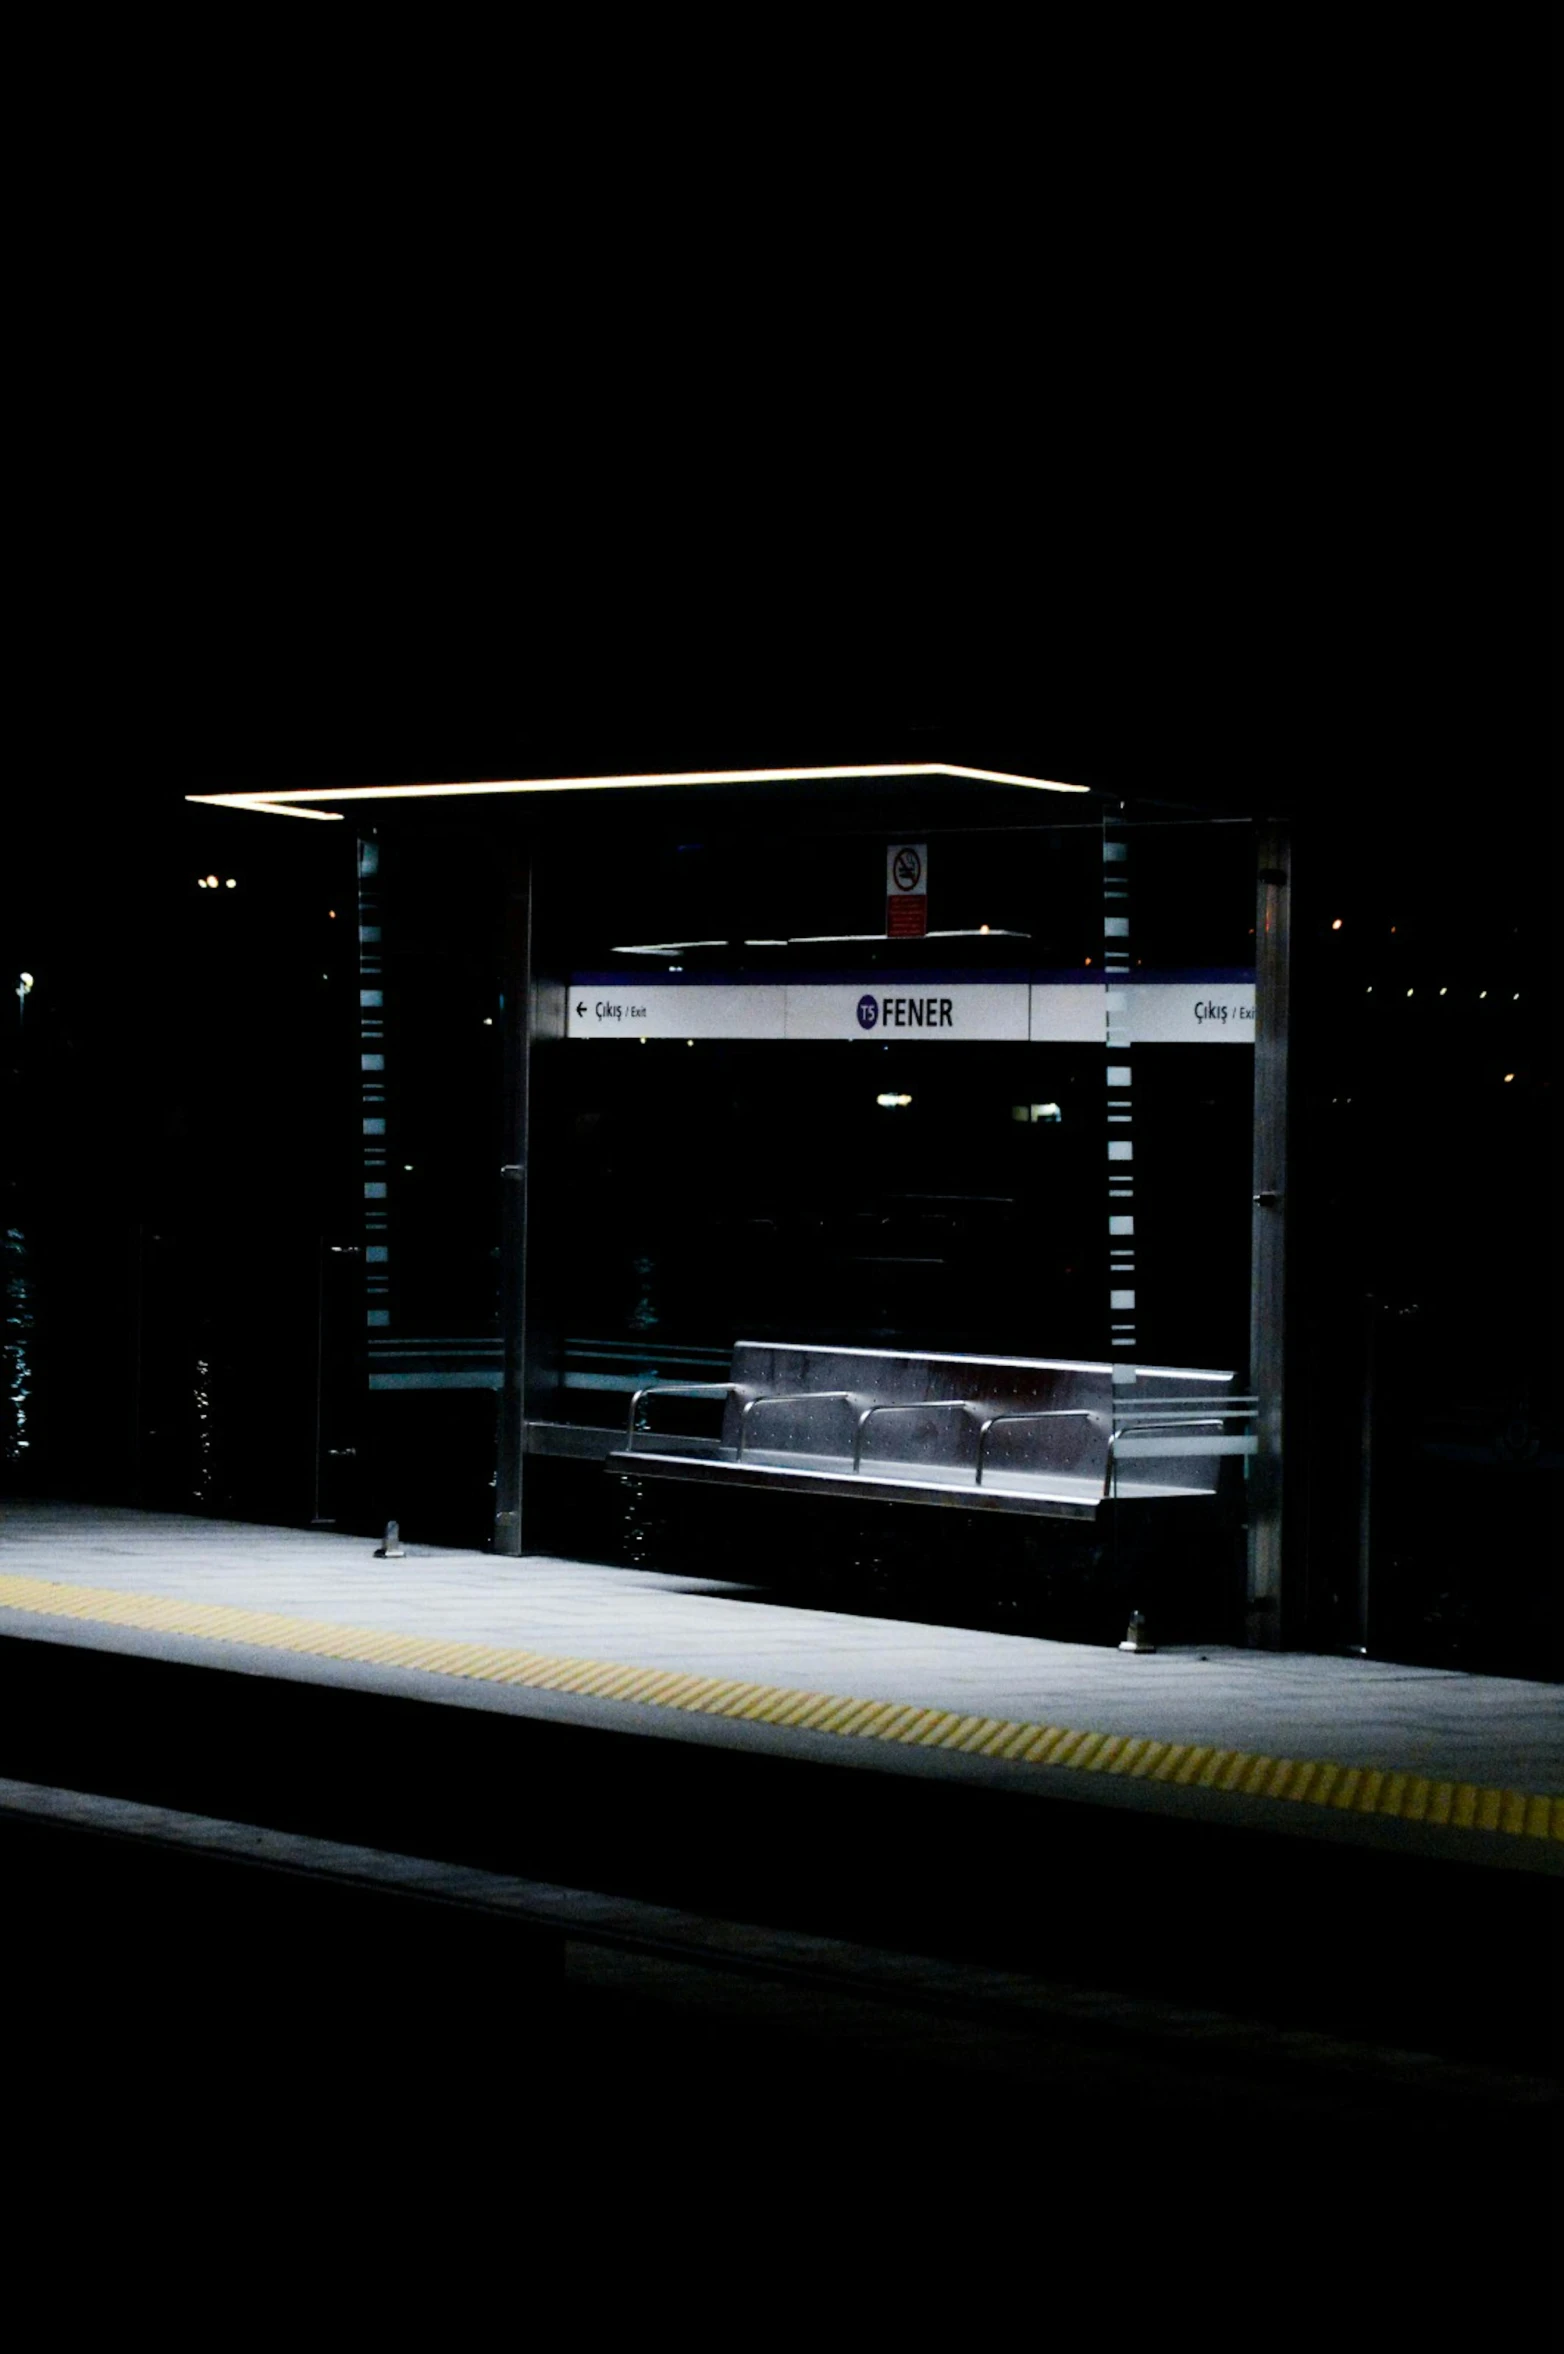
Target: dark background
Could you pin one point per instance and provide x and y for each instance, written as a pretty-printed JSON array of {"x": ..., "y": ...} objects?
[
  {"x": 1199, "y": 458},
  {"x": 1175, "y": 413}
]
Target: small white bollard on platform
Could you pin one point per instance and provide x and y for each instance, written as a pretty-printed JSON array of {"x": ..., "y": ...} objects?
[
  {"x": 1136, "y": 1638},
  {"x": 392, "y": 1549}
]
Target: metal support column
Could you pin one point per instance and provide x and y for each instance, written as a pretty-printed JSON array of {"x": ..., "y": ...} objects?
[
  {"x": 1269, "y": 1610},
  {"x": 1363, "y": 1624},
  {"x": 512, "y": 1433}
]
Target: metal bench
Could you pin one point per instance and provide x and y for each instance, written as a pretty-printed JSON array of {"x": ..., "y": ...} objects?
[{"x": 1000, "y": 1434}]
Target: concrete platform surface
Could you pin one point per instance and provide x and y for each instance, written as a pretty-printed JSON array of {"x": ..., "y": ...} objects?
[{"x": 1365, "y": 1749}]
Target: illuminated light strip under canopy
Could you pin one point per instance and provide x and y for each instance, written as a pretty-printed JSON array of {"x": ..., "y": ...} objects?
[
  {"x": 807, "y": 940},
  {"x": 286, "y": 803}
]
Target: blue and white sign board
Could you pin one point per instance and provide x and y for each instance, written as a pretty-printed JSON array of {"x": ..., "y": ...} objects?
[
  {"x": 1067, "y": 1012},
  {"x": 916, "y": 1010},
  {"x": 656, "y": 1006},
  {"x": 911, "y": 1010},
  {"x": 1169, "y": 1013}
]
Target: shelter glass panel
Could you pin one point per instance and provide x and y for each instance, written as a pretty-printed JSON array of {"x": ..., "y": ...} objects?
[{"x": 769, "y": 1118}]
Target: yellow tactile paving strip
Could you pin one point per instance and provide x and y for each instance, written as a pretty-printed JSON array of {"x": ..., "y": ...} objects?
[{"x": 1361, "y": 1790}]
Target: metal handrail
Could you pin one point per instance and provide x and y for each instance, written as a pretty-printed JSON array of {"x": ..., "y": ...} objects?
[
  {"x": 1169, "y": 1422},
  {"x": 677, "y": 1389},
  {"x": 1175, "y": 1422},
  {"x": 1159, "y": 1410},
  {"x": 784, "y": 1398},
  {"x": 1049, "y": 1414},
  {"x": 908, "y": 1406}
]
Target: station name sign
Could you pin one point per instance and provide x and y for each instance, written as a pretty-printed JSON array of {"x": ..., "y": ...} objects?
[{"x": 913, "y": 1009}]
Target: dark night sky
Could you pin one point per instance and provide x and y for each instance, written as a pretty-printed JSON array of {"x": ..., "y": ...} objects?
[{"x": 1171, "y": 410}]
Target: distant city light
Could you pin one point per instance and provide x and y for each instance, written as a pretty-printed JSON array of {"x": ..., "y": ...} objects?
[
  {"x": 1508, "y": 1076},
  {"x": 488, "y": 1021},
  {"x": 1482, "y": 992},
  {"x": 1444, "y": 992},
  {"x": 331, "y": 911},
  {"x": 1336, "y": 924},
  {"x": 211, "y": 882},
  {"x": 890, "y": 1103},
  {"x": 1411, "y": 993},
  {"x": 231, "y": 881}
]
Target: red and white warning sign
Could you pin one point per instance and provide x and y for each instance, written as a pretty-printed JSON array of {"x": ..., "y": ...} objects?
[{"x": 907, "y": 890}]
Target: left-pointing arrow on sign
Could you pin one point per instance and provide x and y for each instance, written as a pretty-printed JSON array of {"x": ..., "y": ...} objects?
[{"x": 580, "y": 1010}]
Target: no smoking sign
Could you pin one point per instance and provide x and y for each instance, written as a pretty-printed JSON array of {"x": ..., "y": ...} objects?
[{"x": 907, "y": 890}]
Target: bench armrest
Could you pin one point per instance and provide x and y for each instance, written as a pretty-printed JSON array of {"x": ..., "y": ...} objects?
[
  {"x": 909, "y": 1406},
  {"x": 787, "y": 1398},
  {"x": 1048, "y": 1414},
  {"x": 678, "y": 1389}
]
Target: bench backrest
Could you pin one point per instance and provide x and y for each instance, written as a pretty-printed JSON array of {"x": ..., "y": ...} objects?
[{"x": 1079, "y": 1398}]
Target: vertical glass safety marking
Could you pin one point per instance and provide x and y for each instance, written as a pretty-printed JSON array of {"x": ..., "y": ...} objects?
[
  {"x": 1119, "y": 1040},
  {"x": 372, "y": 1090}
]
